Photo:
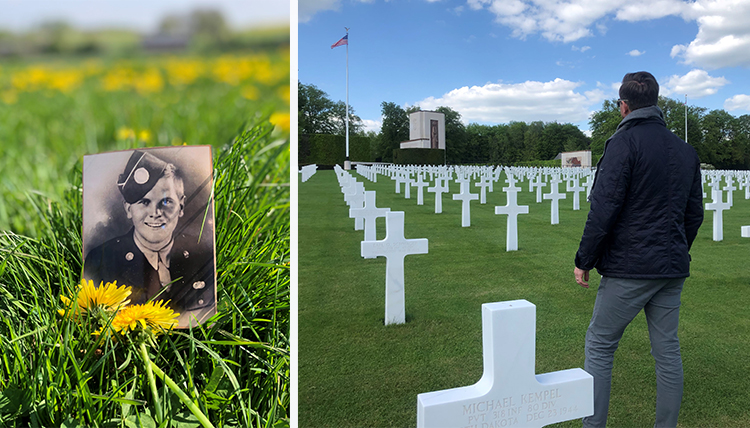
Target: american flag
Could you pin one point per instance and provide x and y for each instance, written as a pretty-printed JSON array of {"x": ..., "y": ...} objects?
[{"x": 344, "y": 41}]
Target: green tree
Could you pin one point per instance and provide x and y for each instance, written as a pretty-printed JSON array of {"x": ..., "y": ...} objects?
[
  {"x": 603, "y": 124},
  {"x": 318, "y": 114},
  {"x": 393, "y": 131},
  {"x": 719, "y": 140},
  {"x": 674, "y": 116},
  {"x": 455, "y": 137}
]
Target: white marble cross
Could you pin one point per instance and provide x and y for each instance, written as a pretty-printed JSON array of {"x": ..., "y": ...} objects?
[
  {"x": 407, "y": 185},
  {"x": 399, "y": 179},
  {"x": 483, "y": 183},
  {"x": 509, "y": 392},
  {"x": 512, "y": 209},
  {"x": 718, "y": 208},
  {"x": 420, "y": 185},
  {"x": 538, "y": 185},
  {"x": 308, "y": 171},
  {"x": 394, "y": 248},
  {"x": 555, "y": 196},
  {"x": 729, "y": 188},
  {"x": 576, "y": 188},
  {"x": 438, "y": 189},
  {"x": 589, "y": 184},
  {"x": 465, "y": 196},
  {"x": 369, "y": 213}
]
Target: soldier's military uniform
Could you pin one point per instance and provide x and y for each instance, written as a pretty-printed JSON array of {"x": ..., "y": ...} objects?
[
  {"x": 191, "y": 262},
  {"x": 191, "y": 268}
]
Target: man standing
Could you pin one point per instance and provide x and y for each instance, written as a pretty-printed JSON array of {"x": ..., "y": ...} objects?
[{"x": 646, "y": 208}]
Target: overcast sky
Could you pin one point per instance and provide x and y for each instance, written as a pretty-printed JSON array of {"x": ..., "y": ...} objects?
[
  {"x": 496, "y": 61},
  {"x": 142, "y": 15}
]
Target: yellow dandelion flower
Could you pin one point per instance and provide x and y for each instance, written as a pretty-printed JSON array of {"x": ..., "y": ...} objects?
[
  {"x": 125, "y": 133},
  {"x": 144, "y": 135},
  {"x": 250, "y": 92},
  {"x": 151, "y": 316},
  {"x": 107, "y": 297},
  {"x": 284, "y": 93},
  {"x": 281, "y": 120}
]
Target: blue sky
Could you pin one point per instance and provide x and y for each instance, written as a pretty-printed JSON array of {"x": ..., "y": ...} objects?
[
  {"x": 496, "y": 61},
  {"x": 143, "y": 15}
]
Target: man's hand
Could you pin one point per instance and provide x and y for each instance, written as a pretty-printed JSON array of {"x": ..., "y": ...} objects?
[{"x": 582, "y": 277}]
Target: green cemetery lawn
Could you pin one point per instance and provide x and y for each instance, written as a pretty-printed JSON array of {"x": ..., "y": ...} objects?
[{"x": 356, "y": 372}]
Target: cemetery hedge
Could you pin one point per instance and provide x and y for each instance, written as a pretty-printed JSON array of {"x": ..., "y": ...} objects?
[
  {"x": 419, "y": 156},
  {"x": 328, "y": 150},
  {"x": 355, "y": 372}
]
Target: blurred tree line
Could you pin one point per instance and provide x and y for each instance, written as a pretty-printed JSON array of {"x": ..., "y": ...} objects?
[
  {"x": 201, "y": 30},
  {"x": 720, "y": 139}
]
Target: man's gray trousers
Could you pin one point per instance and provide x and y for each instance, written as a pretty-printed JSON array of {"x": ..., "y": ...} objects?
[{"x": 618, "y": 301}]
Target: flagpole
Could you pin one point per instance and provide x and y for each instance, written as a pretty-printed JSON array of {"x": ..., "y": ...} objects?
[{"x": 347, "y": 164}]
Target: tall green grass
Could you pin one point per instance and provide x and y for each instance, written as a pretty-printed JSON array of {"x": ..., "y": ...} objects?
[
  {"x": 234, "y": 368},
  {"x": 356, "y": 372}
]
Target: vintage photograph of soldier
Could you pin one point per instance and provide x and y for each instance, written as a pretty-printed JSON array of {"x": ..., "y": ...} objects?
[{"x": 148, "y": 222}]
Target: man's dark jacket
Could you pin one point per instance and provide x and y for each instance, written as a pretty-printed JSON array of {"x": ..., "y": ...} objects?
[
  {"x": 191, "y": 268},
  {"x": 646, "y": 203}
]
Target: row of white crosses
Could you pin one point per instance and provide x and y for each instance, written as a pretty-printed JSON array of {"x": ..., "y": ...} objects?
[
  {"x": 485, "y": 177},
  {"x": 713, "y": 179},
  {"x": 395, "y": 247},
  {"x": 517, "y": 395},
  {"x": 307, "y": 171}
]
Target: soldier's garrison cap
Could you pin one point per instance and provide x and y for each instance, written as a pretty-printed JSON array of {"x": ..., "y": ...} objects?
[{"x": 140, "y": 176}]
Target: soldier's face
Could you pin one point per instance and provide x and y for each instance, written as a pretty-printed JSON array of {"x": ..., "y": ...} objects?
[{"x": 155, "y": 215}]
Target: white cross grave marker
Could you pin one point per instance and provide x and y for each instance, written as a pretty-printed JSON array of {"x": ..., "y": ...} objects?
[
  {"x": 483, "y": 183},
  {"x": 718, "y": 208},
  {"x": 538, "y": 185},
  {"x": 555, "y": 196},
  {"x": 394, "y": 248},
  {"x": 729, "y": 188},
  {"x": 420, "y": 185},
  {"x": 512, "y": 209},
  {"x": 509, "y": 392},
  {"x": 399, "y": 179},
  {"x": 576, "y": 188},
  {"x": 369, "y": 213},
  {"x": 438, "y": 189},
  {"x": 465, "y": 197}
]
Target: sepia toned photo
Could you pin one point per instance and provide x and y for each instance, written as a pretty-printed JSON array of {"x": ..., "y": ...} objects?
[{"x": 148, "y": 223}]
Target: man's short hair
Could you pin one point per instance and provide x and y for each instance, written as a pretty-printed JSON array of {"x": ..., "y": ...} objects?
[
  {"x": 171, "y": 171},
  {"x": 639, "y": 90}
]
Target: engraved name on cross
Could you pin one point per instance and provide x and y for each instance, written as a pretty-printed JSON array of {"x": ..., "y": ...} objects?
[{"x": 509, "y": 392}]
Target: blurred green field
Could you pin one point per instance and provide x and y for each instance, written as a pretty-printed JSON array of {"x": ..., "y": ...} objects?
[
  {"x": 53, "y": 111},
  {"x": 234, "y": 369}
]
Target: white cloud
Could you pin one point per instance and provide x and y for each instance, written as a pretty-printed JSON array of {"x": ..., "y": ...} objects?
[
  {"x": 308, "y": 8},
  {"x": 642, "y": 10},
  {"x": 737, "y": 102},
  {"x": 528, "y": 101},
  {"x": 581, "y": 49},
  {"x": 636, "y": 52},
  {"x": 373, "y": 125},
  {"x": 723, "y": 38},
  {"x": 696, "y": 84}
]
